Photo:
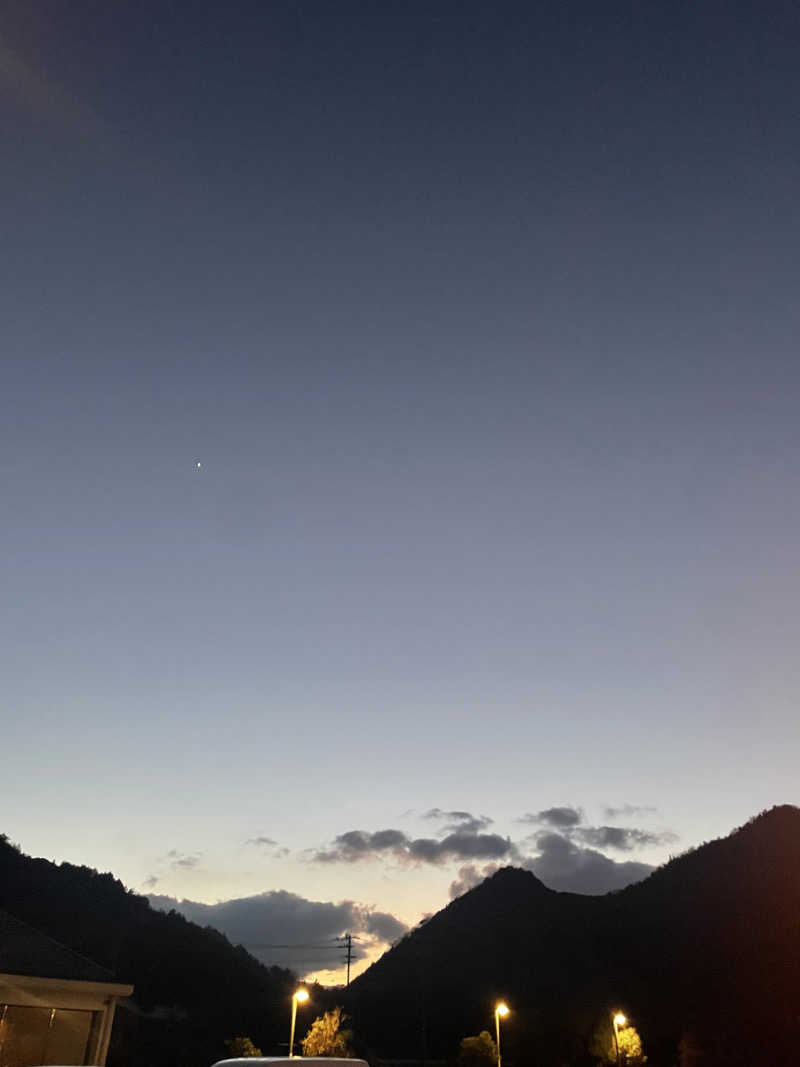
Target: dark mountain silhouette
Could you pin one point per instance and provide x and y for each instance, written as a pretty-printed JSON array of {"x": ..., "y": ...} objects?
[
  {"x": 704, "y": 956},
  {"x": 192, "y": 987}
]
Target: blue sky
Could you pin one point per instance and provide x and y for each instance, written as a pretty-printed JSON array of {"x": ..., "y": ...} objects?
[{"x": 482, "y": 326}]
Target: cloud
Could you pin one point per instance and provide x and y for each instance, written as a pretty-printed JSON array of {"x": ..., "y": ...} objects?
[
  {"x": 288, "y": 930},
  {"x": 268, "y": 846},
  {"x": 630, "y": 811},
  {"x": 624, "y": 838},
  {"x": 456, "y": 821},
  {"x": 384, "y": 926},
  {"x": 151, "y": 882},
  {"x": 182, "y": 860},
  {"x": 561, "y": 818},
  {"x": 562, "y": 850},
  {"x": 568, "y": 822},
  {"x": 461, "y": 844},
  {"x": 562, "y": 864},
  {"x": 469, "y": 877},
  {"x": 358, "y": 844}
]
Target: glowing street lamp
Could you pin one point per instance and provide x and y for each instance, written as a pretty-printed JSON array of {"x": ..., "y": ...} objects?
[
  {"x": 301, "y": 996},
  {"x": 500, "y": 1010},
  {"x": 618, "y": 1020}
]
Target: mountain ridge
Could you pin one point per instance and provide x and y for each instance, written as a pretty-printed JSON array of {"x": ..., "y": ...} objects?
[
  {"x": 703, "y": 955},
  {"x": 704, "y": 950},
  {"x": 193, "y": 989}
]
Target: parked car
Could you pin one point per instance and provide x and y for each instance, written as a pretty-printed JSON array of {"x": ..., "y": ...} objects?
[{"x": 285, "y": 1061}]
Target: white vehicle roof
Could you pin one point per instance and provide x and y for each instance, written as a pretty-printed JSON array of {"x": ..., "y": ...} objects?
[{"x": 274, "y": 1061}]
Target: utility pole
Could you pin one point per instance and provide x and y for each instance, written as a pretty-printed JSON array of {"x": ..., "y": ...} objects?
[
  {"x": 347, "y": 939},
  {"x": 348, "y": 945}
]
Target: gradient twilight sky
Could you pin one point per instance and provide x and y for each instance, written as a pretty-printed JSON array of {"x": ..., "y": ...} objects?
[{"x": 482, "y": 321}]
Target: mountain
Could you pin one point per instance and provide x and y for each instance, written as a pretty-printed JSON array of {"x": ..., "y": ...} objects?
[
  {"x": 703, "y": 956},
  {"x": 192, "y": 988}
]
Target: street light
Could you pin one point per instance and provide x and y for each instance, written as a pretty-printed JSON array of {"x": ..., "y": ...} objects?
[
  {"x": 618, "y": 1020},
  {"x": 501, "y": 1009},
  {"x": 300, "y": 996}
]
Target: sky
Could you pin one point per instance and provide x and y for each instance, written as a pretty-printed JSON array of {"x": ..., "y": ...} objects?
[{"x": 399, "y": 446}]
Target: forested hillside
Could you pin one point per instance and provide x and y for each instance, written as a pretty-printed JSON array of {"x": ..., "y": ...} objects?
[
  {"x": 704, "y": 956},
  {"x": 193, "y": 988}
]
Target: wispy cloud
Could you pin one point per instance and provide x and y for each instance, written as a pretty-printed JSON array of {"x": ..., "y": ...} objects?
[
  {"x": 267, "y": 846},
  {"x": 186, "y": 861},
  {"x": 624, "y": 838},
  {"x": 630, "y": 811},
  {"x": 459, "y": 821}
]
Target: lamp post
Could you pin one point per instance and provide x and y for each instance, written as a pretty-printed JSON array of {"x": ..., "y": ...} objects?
[
  {"x": 618, "y": 1020},
  {"x": 300, "y": 996},
  {"x": 500, "y": 1010}
]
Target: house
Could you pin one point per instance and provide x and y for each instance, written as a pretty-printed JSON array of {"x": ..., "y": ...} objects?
[{"x": 56, "y": 1007}]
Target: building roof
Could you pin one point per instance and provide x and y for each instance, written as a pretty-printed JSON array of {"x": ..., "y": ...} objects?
[{"x": 26, "y": 951}]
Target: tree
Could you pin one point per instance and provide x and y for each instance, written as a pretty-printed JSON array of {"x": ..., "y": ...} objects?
[
  {"x": 242, "y": 1046},
  {"x": 480, "y": 1051},
  {"x": 630, "y": 1047},
  {"x": 326, "y": 1036},
  {"x": 604, "y": 1046}
]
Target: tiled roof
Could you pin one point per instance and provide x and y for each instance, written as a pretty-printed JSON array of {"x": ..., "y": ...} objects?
[{"x": 26, "y": 951}]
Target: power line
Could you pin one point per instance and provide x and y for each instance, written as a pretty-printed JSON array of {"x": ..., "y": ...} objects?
[
  {"x": 313, "y": 963},
  {"x": 344, "y": 941},
  {"x": 299, "y": 945}
]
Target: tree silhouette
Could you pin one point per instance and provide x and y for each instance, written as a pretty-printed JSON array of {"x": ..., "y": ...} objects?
[
  {"x": 326, "y": 1036},
  {"x": 630, "y": 1047},
  {"x": 192, "y": 987},
  {"x": 242, "y": 1046},
  {"x": 480, "y": 1051}
]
